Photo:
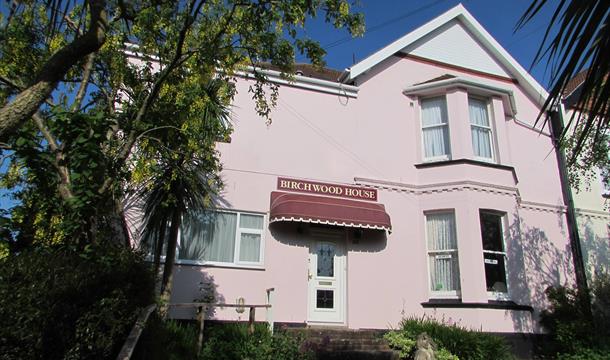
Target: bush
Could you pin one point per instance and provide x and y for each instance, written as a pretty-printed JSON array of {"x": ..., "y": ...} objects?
[
  {"x": 574, "y": 333},
  {"x": 451, "y": 340},
  {"x": 174, "y": 340},
  {"x": 232, "y": 341},
  {"x": 166, "y": 340},
  {"x": 56, "y": 303}
]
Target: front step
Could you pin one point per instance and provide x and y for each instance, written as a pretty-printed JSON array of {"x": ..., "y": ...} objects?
[{"x": 332, "y": 343}]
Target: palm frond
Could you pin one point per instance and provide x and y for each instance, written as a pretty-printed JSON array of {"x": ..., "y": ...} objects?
[{"x": 577, "y": 39}]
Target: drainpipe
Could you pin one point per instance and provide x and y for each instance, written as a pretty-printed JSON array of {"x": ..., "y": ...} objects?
[{"x": 557, "y": 127}]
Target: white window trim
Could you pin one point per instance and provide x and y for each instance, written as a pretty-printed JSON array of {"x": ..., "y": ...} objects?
[
  {"x": 490, "y": 133},
  {"x": 434, "y": 294},
  {"x": 495, "y": 295},
  {"x": 238, "y": 231},
  {"x": 422, "y": 128}
]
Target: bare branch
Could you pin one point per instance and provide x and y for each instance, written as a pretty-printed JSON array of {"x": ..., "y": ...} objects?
[{"x": 82, "y": 90}]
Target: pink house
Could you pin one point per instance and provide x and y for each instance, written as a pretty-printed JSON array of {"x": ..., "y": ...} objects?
[{"x": 412, "y": 184}]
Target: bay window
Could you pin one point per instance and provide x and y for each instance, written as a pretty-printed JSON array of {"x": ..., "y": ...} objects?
[
  {"x": 480, "y": 129},
  {"x": 494, "y": 253},
  {"x": 435, "y": 129},
  {"x": 442, "y": 253},
  {"x": 222, "y": 237}
]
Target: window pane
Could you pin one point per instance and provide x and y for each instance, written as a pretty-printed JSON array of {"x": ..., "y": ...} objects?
[
  {"x": 209, "y": 236},
  {"x": 249, "y": 247},
  {"x": 326, "y": 260},
  {"x": 434, "y": 111},
  {"x": 444, "y": 265},
  {"x": 444, "y": 272},
  {"x": 436, "y": 141},
  {"x": 441, "y": 231},
  {"x": 481, "y": 143},
  {"x": 491, "y": 231},
  {"x": 324, "y": 299},
  {"x": 495, "y": 272},
  {"x": 250, "y": 221},
  {"x": 478, "y": 112}
]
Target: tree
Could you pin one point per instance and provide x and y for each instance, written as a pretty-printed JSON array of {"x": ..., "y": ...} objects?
[
  {"x": 72, "y": 159},
  {"x": 182, "y": 180},
  {"x": 576, "y": 41}
]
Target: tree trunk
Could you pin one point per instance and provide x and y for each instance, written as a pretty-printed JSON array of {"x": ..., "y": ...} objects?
[
  {"x": 168, "y": 268},
  {"x": 117, "y": 225},
  {"x": 158, "y": 247},
  {"x": 27, "y": 102}
]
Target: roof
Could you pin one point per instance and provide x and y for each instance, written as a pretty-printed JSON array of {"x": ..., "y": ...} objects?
[
  {"x": 458, "y": 13},
  {"x": 308, "y": 70}
]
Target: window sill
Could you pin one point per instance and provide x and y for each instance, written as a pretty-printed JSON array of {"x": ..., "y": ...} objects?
[
  {"x": 491, "y": 304},
  {"x": 493, "y": 165},
  {"x": 216, "y": 265}
]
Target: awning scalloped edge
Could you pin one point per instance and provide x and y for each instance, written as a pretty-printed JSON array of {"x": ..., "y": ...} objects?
[{"x": 329, "y": 222}]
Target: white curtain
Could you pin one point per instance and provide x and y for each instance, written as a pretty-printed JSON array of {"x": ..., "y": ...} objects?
[
  {"x": 480, "y": 128},
  {"x": 435, "y": 128},
  {"x": 209, "y": 236},
  {"x": 249, "y": 247},
  {"x": 442, "y": 250}
]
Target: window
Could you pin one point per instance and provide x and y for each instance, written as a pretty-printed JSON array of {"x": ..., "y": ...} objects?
[
  {"x": 435, "y": 129},
  {"x": 480, "y": 129},
  {"x": 494, "y": 254},
  {"x": 442, "y": 253},
  {"x": 222, "y": 237}
]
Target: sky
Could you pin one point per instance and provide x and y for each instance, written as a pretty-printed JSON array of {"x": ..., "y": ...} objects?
[{"x": 388, "y": 20}]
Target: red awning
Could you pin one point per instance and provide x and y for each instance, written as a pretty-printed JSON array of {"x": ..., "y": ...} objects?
[{"x": 327, "y": 210}]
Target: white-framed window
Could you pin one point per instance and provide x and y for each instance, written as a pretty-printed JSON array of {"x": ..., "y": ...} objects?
[
  {"x": 435, "y": 129},
  {"x": 222, "y": 237},
  {"x": 480, "y": 129},
  {"x": 443, "y": 264},
  {"x": 494, "y": 252}
]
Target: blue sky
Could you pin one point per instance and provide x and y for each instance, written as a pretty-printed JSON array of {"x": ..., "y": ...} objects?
[{"x": 388, "y": 20}]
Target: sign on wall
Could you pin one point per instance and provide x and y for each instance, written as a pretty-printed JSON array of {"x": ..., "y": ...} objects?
[{"x": 313, "y": 187}]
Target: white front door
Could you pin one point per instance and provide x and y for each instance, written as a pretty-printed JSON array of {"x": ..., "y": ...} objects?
[{"x": 326, "y": 277}]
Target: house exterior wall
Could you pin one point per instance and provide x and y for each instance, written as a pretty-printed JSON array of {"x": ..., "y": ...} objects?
[{"x": 375, "y": 141}]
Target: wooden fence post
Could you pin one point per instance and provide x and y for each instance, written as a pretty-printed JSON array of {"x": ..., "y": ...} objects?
[
  {"x": 201, "y": 318},
  {"x": 270, "y": 309},
  {"x": 251, "y": 320}
]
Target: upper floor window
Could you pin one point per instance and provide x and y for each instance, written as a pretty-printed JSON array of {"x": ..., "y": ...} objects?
[
  {"x": 222, "y": 237},
  {"x": 442, "y": 253},
  {"x": 435, "y": 129},
  {"x": 494, "y": 253},
  {"x": 480, "y": 128}
]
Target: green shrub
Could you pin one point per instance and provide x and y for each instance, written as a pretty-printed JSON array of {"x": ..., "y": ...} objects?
[
  {"x": 166, "y": 340},
  {"x": 575, "y": 334},
  {"x": 232, "y": 341},
  {"x": 56, "y": 303},
  {"x": 453, "y": 341}
]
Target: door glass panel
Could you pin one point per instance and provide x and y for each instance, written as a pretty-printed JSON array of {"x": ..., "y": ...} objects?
[
  {"x": 326, "y": 260},
  {"x": 324, "y": 299}
]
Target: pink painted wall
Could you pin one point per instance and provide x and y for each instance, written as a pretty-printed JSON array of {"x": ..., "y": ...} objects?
[{"x": 377, "y": 137}]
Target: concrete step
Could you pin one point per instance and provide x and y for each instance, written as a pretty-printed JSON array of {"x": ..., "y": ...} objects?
[{"x": 357, "y": 355}]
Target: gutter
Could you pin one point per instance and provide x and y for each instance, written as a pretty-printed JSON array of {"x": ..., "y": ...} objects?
[
  {"x": 557, "y": 127},
  {"x": 304, "y": 82},
  {"x": 469, "y": 83}
]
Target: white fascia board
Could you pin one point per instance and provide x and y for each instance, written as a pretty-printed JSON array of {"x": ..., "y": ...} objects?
[
  {"x": 374, "y": 59},
  {"x": 459, "y": 12},
  {"x": 482, "y": 85},
  {"x": 303, "y": 82},
  {"x": 526, "y": 80}
]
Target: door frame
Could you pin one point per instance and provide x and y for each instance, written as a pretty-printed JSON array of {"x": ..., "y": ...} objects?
[{"x": 339, "y": 238}]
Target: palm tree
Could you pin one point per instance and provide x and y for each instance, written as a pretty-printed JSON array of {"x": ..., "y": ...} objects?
[
  {"x": 577, "y": 40},
  {"x": 183, "y": 183}
]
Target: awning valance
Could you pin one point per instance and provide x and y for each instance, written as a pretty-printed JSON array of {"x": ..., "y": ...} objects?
[{"x": 327, "y": 210}]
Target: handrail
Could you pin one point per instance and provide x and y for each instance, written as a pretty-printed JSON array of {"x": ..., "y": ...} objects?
[{"x": 136, "y": 331}]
